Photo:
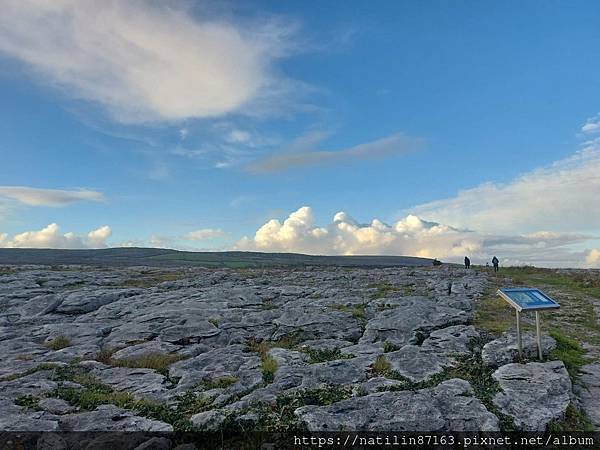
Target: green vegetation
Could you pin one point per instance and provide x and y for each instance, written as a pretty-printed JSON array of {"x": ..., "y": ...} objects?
[
  {"x": 569, "y": 351},
  {"x": 220, "y": 383},
  {"x": 381, "y": 366},
  {"x": 7, "y": 271},
  {"x": 269, "y": 367},
  {"x": 104, "y": 356},
  {"x": 28, "y": 402},
  {"x": 390, "y": 347},
  {"x": 573, "y": 324},
  {"x": 383, "y": 290},
  {"x": 214, "y": 321},
  {"x": 320, "y": 356},
  {"x": 268, "y": 364},
  {"x": 16, "y": 376},
  {"x": 280, "y": 417},
  {"x": 357, "y": 311},
  {"x": 157, "y": 361},
  {"x": 94, "y": 394},
  {"x": 493, "y": 314},
  {"x": 58, "y": 343},
  {"x": 574, "y": 420}
]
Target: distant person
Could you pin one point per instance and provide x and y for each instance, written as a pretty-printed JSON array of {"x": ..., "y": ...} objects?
[
  {"x": 495, "y": 263},
  {"x": 467, "y": 262}
]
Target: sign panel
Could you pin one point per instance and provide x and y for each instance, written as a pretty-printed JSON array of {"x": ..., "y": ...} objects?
[{"x": 527, "y": 299}]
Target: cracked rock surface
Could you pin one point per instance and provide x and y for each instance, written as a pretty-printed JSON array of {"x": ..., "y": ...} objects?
[
  {"x": 533, "y": 394},
  {"x": 141, "y": 348}
]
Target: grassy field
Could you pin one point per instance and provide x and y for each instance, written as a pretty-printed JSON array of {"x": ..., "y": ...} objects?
[
  {"x": 575, "y": 326},
  {"x": 577, "y": 291}
]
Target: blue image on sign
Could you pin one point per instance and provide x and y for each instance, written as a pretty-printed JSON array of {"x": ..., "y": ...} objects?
[{"x": 528, "y": 298}]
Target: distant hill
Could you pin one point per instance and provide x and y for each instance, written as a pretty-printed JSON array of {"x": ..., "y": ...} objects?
[{"x": 159, "y": 257}]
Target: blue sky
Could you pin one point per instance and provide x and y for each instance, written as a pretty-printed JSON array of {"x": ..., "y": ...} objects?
[{"x": 194, "y": 124}]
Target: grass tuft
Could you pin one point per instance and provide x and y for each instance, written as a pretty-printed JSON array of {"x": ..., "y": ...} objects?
[
  {"x": 574, "y": 420},
  {"x": 220, "y": 383},
  {"x": 269, "y": 368},
  {"x": 58, "y": 343},
  {"x": 569, "y": 351},
  {"x": 28, "y": 402},
  {"x": 390, "y": 347},
  {"x": 357, "y": 311},
  {"x": 381, "y": 366},
  {"x": 320, "y": 356},
  {"x": 157, "y": 361},
  {"x": 383, "y": 290}
]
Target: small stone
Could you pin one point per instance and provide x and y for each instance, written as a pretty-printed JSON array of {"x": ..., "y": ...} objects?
[
  {"x": 56, "y": 406},
  {"x": 209, "y": 420}
]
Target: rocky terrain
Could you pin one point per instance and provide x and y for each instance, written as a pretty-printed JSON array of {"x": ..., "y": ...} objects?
[{"x": 325, "y": 348}]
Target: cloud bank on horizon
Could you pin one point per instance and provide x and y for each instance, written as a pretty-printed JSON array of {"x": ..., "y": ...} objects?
[
  {"x": 546, "y": 205},
  {"x": 477, "y": 222},
  {"x": 51, "y": 237}
]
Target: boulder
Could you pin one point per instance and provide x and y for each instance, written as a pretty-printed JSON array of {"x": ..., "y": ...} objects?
[
  {"x": 533, "y": 394},
  {"x": 587, "y": 390},
  {"x": 449, "y": 406},
  {"x": 504, "y": 350},
  {"x": 111, "y": 418}
]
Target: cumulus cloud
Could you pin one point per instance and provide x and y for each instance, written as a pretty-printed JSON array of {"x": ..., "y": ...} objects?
[
  {"x": 593, "y": 257},
  {"x": 144, "y": 60},
  {"x": 410, "y": 235},
  {"x": 592, "y": 125},
  {"x": 345, "y": 236},
  {"x": 48, "y": 197},
  {"x": 562, "y": 197},
  {"x": 52, "y": 237},
  {"x": 395, "y": 144},
  {"x": 203, "y": 234},
  {"x": 98, "y": 237}
]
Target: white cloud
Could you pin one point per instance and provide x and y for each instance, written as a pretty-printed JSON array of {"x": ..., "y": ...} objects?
[
  {"x": 48, "y": 197},
  {"x": 98, "y": 237},
  {"x": 144, "y": 60},
  {"x": 206, "y": 233},
  {"x": 563, "y": 197},
  {"x": 239, "y": 137},
  {"x": 592, "y": 125},
  {"x": 409, "y": 236},
  {"x": 51, "y": 237},
  {"x": 345, "y": 236},
  {"x": 395, "y": 144},
  {"x": 593, "y": 258}
]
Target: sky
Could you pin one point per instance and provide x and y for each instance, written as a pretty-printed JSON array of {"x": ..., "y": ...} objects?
[{"x": 437, "y": 129}]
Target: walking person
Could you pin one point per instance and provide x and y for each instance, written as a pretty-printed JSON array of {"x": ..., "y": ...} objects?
[
  {"x": 495, "y": 263},
  {"x": 467, "y": 262}
]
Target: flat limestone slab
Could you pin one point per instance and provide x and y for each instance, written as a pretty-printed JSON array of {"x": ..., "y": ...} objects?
[
  {"x": 449, "y": 406},
  {"x": 533, "y": 394}
]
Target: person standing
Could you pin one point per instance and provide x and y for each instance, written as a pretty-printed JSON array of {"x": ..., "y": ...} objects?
[
  {"x": 467, "y": 262},
  {"x": 495, "y": 263}
]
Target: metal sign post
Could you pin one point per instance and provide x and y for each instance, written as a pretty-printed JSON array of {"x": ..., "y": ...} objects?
[{"x": 528, "y": 299}]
